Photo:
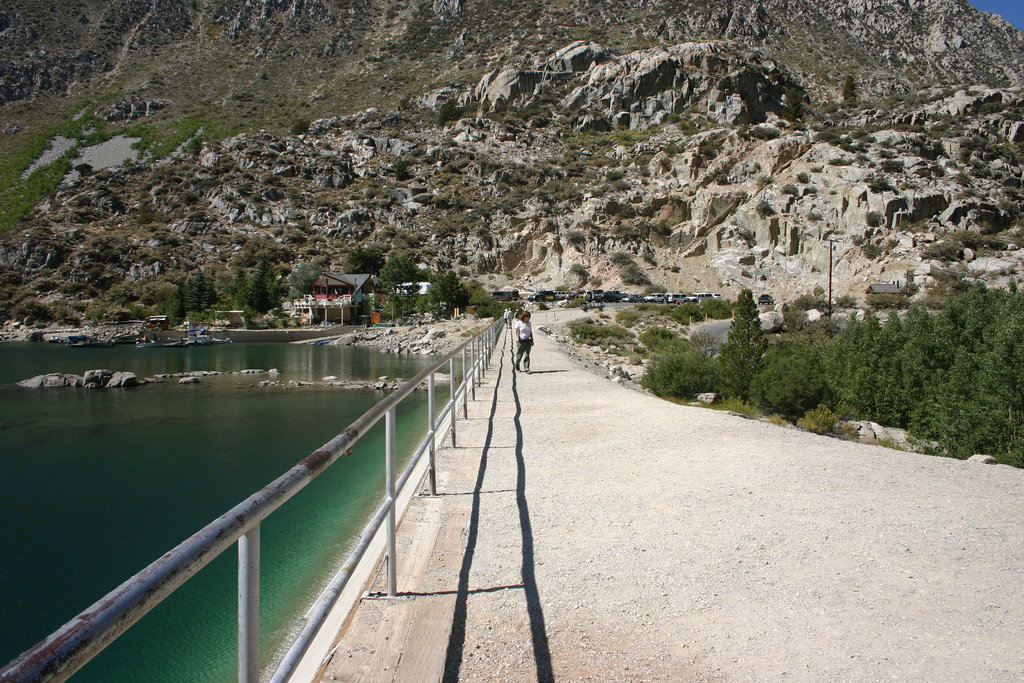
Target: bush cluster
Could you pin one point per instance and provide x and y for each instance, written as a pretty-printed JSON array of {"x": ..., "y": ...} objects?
[{"x": 951, "y": 378}]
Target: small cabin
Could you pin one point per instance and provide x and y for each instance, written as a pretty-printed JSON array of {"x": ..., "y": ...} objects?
[
  {"x": 157, "y": 322},
  {"x": 232, "y": 318},
  {"x": 884, "y": 288}
]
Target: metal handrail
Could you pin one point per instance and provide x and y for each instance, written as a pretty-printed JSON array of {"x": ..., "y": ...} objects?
[{"x": 69, "y": 648}]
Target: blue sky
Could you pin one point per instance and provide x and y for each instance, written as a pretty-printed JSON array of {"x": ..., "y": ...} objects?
[{"x": 1011, "y": 10}]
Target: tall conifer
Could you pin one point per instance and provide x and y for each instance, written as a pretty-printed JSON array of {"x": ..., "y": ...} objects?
[{"x": 743, "y": 352}]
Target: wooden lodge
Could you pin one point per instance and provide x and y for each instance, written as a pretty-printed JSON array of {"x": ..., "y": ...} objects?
[{"x": 336, "y": 298}]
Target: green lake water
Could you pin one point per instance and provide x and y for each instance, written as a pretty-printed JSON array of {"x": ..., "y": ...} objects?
[{"x": 96, "y": 485}]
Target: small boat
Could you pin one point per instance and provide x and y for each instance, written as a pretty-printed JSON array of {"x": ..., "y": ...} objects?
[
  {"x": 320, "y": 343},
  {"x": 81, "y": 341},
  {"x": 197, "y": 337}
]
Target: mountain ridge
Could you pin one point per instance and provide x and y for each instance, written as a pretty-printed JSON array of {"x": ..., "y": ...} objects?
[{"x": 539, "y": 161}]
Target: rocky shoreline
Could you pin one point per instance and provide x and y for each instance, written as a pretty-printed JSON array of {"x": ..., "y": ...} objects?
[
  {"x": 433, "y": 338},
  {"x": 109, "y": 379},
  {"x": 421, "y": 339}
]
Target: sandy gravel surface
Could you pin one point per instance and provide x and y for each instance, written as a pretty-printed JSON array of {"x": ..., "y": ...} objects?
[{"x": 618, "y": 537}]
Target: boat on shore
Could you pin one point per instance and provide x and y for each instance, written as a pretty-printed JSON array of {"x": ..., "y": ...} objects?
[{"x": 82, "y": 341}]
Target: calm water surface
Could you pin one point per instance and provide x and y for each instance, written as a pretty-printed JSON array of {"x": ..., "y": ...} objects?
[{"x": 98, "y": 484}]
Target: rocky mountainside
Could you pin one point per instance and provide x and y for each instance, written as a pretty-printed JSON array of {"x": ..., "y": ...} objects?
[
  {"x": 544, "y": 158},
  {"x": 893, "y": 45},
  {"x": 667, "y": 167}
]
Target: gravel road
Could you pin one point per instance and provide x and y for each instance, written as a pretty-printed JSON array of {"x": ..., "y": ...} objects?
[{"x": 618, "y": 537}]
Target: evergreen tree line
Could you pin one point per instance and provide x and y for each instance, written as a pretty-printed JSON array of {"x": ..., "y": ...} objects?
[
  {"x": 257, "y": 292},
  {"x": 953, "y": 378}
]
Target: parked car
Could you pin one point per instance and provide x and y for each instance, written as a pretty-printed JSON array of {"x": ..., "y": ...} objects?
[
  {"x": 543, "y": 295},
  {"x": 765, "y": 300},
  {"x": 509, "y": 295},
  {"x": 658, "y": 298}
]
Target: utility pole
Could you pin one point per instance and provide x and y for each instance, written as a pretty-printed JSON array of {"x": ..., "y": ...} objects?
[{"x": 831, "y": 246}]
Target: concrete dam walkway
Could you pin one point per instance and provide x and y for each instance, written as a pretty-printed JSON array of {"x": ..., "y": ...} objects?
[{"x": 584, "y": 531}]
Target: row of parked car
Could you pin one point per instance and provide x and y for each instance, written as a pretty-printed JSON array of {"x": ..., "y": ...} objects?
[
  {"x": 615, "y": 296},
  {"x": 606, "y": 296},
  {"x": 673, "y": 298}
]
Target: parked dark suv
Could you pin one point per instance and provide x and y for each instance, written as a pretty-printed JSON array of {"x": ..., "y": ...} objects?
[{"x": 765, "y": 300}]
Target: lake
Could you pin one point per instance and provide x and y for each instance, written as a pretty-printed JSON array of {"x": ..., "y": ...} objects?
[{"x": 98, "y": 484}]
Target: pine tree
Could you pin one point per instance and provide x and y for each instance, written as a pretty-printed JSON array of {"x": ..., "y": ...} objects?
[
  {"x": 850, "y": 90},
  {"x": 793, "y": 110},
  {"x": 262, "y": 288},
  {"x": 176, "y": 304},
  {"x": 743, "y": 352},
  {"x": 240, "y": 289},
  {"x": 197, "y": 292}
]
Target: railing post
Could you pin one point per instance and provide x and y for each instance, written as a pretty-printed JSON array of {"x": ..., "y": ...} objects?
[
  {"x": 249, "y": 606},
  {"x": 433, "y": 429},
  {"x": 451, "y": 373},
  {"x": 472, "y": 367},
  {"x": 465, "y": 386},
  {"x": 389, "y": 484},
  {"x": 484, "y": 341}
]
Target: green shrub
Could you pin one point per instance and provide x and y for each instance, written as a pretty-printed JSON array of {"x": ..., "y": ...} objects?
[
  {"x": 946, "y": 250},
  {"x": 719, "y": 309},
  {"x": 887, "y": 301},
  {"x": 873, "y": 219},
  {"x": 576, "y": 239},
  {"x": 820, "y": 420},
  {"x": 879, "y": 184},
  {"x": 686, "y": 314},
  {"x": 736, "y": 405},
  {"x": 578, "y": 302},
  {"x": 449, "y": 111},
  {"x": 793, "y": 110},
  {"x": 828, "y": 135},
  {"x": 632, "y": 274},
  {"x": 806, "y": 302},
  {"x": 626, "y": 317},
  {"x": 709, "y": 344},
  {"x": 662, "y": 341},
  {"x": 791, "y": 382},
  {"x": 587, "y": 332},
  {"x": 401, "y": 167},
  {"x": 681, "y": 374}
]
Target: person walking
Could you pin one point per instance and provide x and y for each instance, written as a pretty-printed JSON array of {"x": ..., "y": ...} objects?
[{"x": 522, "y": 332}]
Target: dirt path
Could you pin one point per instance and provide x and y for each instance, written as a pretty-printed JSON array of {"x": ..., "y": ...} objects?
[{"x": 606, "y": 535}]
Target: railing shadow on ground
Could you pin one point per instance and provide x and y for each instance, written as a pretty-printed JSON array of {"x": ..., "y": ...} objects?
[
  {"x": 535, "y": 612},
  {"x": 541, "y": 647}
]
